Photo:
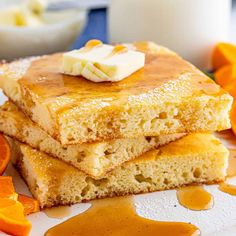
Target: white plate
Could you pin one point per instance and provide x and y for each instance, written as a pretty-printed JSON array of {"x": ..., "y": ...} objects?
[{"x": 220, "y": 220}]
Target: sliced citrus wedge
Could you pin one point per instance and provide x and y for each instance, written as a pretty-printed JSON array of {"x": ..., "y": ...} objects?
[
  {"x": 7, "y": 189},
  {"x": 223, "y": 54},
  {"x": 30, "y": 205},
  {"x": 12, "y": 219},
  {"x": 226, "y": 75},
  {"x": 4, "y": 154}
]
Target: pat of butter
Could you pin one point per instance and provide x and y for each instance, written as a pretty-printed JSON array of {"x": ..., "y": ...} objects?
[
  {"x": 7, "y": 16},
  {"x": 24, "y": 17},
  {"x": 100, "y": 62},
  {"x": 37, "y": 6},
  {"x": 19, "y": 16}
]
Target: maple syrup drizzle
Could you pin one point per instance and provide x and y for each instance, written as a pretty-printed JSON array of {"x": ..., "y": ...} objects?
[
  {"x": 228, "y": 188},
  {"x": 195, "y": 198},
  {"x": 118, "y": 49},
  {"x": 142, "y": 46},
  {"x": 58, "y": 88},
  {"x": 117, "y": 216},
  {"x": 58, "y": 212},
  {"x": 91, "y": 44}
]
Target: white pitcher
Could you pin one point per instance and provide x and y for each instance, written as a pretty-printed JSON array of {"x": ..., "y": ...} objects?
[{"x": 189, "y": 27}]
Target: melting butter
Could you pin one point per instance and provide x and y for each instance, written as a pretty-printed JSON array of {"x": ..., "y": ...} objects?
[{"x": 100, "y": 62}]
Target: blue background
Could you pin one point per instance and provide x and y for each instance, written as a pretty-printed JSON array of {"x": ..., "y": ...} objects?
[{"x": 96, "y": 28}]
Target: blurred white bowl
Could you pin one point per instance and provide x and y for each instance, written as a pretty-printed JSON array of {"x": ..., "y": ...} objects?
[{"x": 58, "y": 34}]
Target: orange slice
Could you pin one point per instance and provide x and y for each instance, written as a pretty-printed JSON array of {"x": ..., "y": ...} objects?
[
  {"x": 223, "y": 54},
  {"x": 231, "y": 89},
  {"x": 226, "y": 75},
  {"x": 12, "y": 219},
  {"x": 7, "y": 189},
  {"x": 30, "y": 205},
  {"x": 4, "y": 154}
]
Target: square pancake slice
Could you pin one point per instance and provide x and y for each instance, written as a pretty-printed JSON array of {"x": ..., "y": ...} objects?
[
  {"x": 196, "y": 158},
  {"x": 95, "y": 159},
  {"x": 168, "y": 95}
]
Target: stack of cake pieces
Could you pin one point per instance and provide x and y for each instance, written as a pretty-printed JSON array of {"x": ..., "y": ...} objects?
[{"x": 79, "y": 140}]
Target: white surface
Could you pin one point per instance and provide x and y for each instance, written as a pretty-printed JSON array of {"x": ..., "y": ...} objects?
[{"x": 220, "y": 220}]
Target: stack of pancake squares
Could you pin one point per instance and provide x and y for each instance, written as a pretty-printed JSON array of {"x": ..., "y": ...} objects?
[{"x": 77, "y": 140}]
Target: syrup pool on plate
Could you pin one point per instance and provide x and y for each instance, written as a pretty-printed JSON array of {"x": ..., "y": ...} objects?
[
  {"x": 118, "y": 217},
  {"x": 58, "y": 212},
  {"x": 195, "y": 198}
]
